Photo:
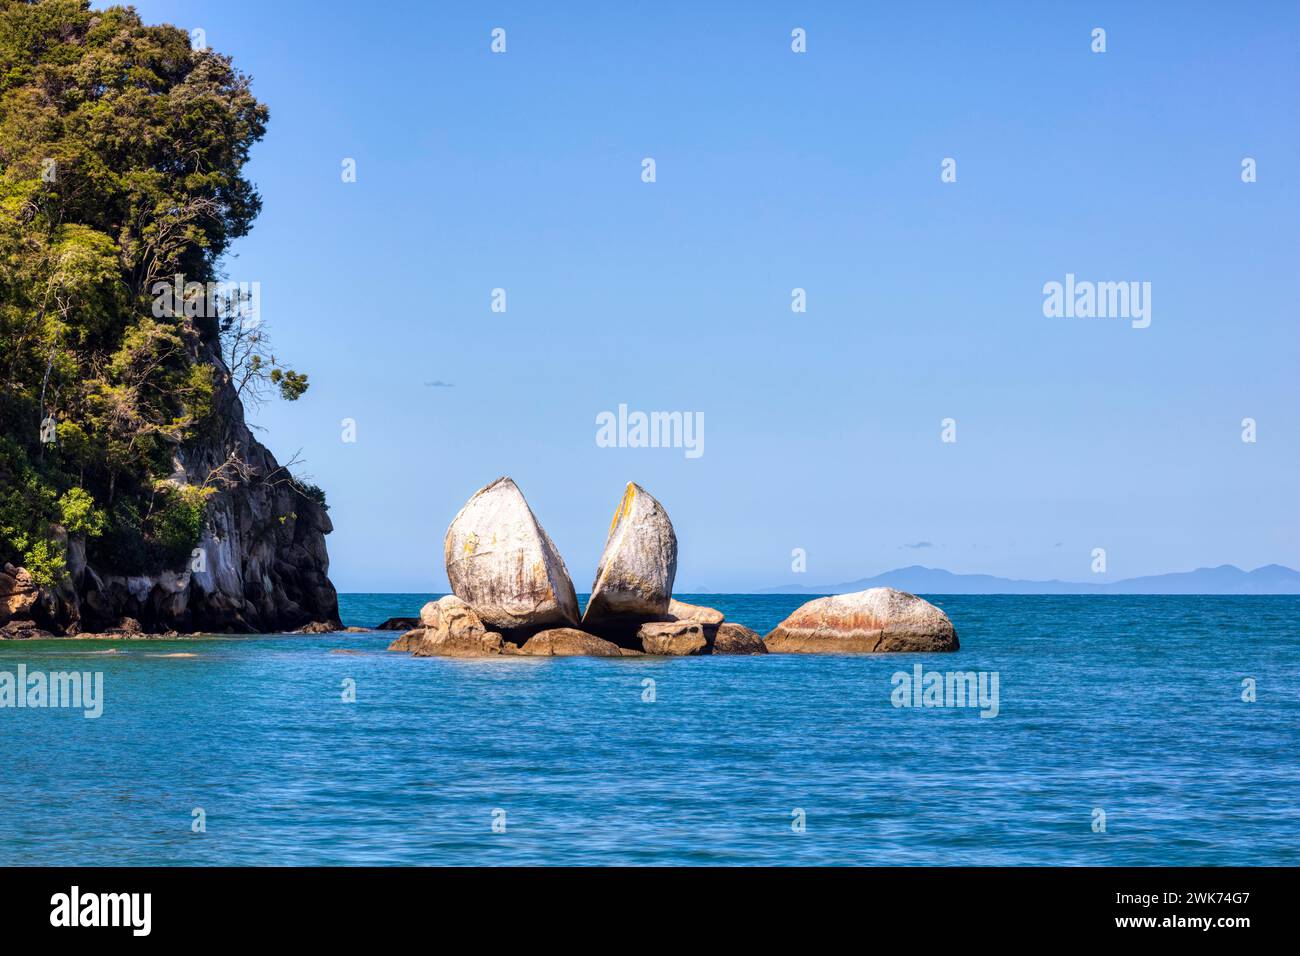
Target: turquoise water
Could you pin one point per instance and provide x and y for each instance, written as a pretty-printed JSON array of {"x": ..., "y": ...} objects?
[{"x": 1131, "y": 705}]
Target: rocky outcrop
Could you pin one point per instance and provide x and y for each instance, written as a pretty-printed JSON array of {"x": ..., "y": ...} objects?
[
  {"x": 878, "y": 620},
  {"x": 22, "y": 630},
  {"x": 501, "y": 561},
  {"x": 634, "y": 579},
  {"x": 407, "y": 642},
  {"x": 510, "y": 582},
  {"x": 399, "y": 624},
  {"x": 707, "y": 616},
  {"x": 673, "y": 638},
  {"x": 18, "y": 594},
  {"x": 568, "y": 642},
  {"x": 450, "y": 628},
  {"x": 266, "y": 567},
  {"x": 460, "y": 644},
  {"x": 734, "y": 638},
  {"x": 260, "y": 566},
  {"x": 688, "y": 636},
  {"x": 452, "y": 614}
]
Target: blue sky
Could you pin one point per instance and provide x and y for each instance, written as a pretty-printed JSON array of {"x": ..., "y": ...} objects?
[{"x": 778, "y": 170}]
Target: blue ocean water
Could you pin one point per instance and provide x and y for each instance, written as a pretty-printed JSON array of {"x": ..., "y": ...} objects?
[{"x": 1128, "y": 705}]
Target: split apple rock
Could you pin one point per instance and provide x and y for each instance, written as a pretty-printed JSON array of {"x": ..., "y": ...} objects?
[{"x": 512, "y": 597}]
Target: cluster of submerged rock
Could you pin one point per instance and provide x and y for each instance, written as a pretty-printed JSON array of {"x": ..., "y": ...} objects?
[{"x": 512, "y": 595}]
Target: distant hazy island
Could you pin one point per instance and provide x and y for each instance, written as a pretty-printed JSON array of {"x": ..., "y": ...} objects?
[{"x": 1225, "y": 579}]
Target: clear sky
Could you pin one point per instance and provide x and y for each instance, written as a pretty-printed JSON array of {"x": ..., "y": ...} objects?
[{"x": 778, "y": 170}]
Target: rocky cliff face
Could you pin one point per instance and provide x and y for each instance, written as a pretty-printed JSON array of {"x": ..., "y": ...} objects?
[{"x": 260, "y": 566}]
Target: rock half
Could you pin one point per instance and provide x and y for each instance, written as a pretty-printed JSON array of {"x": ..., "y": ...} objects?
[
  {"x": 503, "y": 564},
  {"x": 634, "y": 579}
]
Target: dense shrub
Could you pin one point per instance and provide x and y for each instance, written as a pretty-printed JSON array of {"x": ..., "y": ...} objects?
[{"x": 121, "y": 158}]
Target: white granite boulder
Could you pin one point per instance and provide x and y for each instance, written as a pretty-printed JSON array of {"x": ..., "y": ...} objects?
[
  {"x": 503, "y": 564},
  {"x": 877, "y": 620}
]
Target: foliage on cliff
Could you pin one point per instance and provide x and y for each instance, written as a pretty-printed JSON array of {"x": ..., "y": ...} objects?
[{"x": 121, "y": 157}]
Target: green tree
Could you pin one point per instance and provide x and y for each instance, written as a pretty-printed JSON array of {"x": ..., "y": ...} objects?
[{"x": 121, "y": 167}]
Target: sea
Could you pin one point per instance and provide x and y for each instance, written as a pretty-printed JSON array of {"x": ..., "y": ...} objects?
[{"x": 1129, "y": 730}]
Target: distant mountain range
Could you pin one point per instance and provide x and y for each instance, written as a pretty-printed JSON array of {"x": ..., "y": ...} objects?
[{"x": 1225, "y": 579}]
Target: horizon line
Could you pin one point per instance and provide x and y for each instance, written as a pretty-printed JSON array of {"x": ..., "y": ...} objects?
[{"x": 828, "y": 590}]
